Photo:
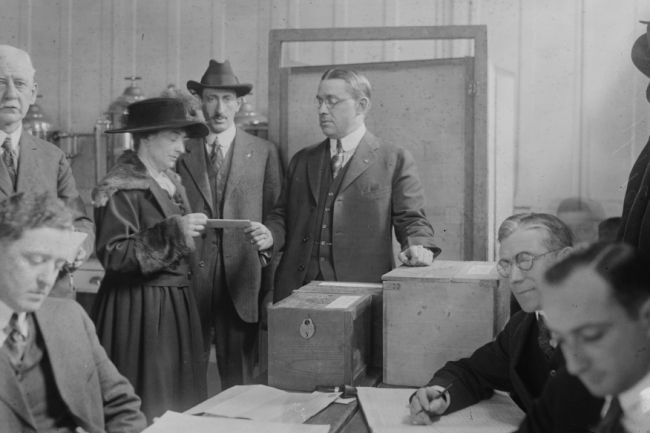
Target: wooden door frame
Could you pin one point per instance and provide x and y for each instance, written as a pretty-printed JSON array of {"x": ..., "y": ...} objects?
[{"x": 476, "y": 152}]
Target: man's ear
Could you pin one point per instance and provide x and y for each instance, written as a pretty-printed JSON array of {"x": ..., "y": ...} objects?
[
  {"x": 364, "y": 105},
  {"x": 34, "y": 93}
]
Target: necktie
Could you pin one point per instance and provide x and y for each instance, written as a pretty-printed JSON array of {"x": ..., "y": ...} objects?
[
  {"x": 15, "y": 342},
  {"x": 216, "y": 156},
  {"x": 544, "y": 338},
  {"x": 8, "y": 159},
  {"x": 337, "y": 159},
  {"x": 611, "y": 422}
]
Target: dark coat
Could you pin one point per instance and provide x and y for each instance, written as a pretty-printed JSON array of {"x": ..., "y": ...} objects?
[
  {"x": 252, "y": 187},
  {"x": 635, "y": 221},
  {"x": 43, "y": 167},
  {"x": 506, "y": 364},
  {"x": 565, "y": 406},
  {"x": 380, "y": 191},
  {"x": 97, "y": 396}
]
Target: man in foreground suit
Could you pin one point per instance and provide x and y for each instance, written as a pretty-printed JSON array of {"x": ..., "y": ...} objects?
[
  {"x": 597, "y": 303},
  {"x": 342, "y": 199},
  {"x": 235, "y": 175},
  {"x": 54, "y": 375},
  {"x": 521, "y": 359},
  {"x": 31, "y": 164}
]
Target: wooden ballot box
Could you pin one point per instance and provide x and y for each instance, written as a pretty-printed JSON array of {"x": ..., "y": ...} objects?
[
  {"x": 438, "y": 313},
  {"x": 376, "y": 307},
  {"x": 318, "y": 339}
]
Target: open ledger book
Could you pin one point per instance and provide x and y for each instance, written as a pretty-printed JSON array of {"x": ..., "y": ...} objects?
[{"x": 386, "y": 410}]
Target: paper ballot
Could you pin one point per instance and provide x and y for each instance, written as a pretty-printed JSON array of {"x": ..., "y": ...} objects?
[
  {"x": 173, "y": 422},
  {"x": 386, "y": 410}
]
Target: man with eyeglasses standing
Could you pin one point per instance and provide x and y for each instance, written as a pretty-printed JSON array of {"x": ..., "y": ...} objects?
[
  {"x": 522, "y": 358},
  {"x": 342, "y": 198}
]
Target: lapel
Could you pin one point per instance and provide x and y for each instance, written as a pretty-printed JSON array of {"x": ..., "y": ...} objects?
[
  {"x": 242, "y": 153},
  {"x": 164, "y": 202},
  {"x": 10, "y": 392},
  {"x": 195, "y": 165},
  {"x": 364, "y": 156},
  {"x": 28, "y": 163},
  {"x": 314, "y": 168}
]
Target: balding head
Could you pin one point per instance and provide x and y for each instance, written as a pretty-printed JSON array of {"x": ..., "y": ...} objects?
[{"x": 17, "y": 86}]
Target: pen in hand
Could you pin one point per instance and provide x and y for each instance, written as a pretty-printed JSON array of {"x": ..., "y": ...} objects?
[{"x": 440, "y": 394}]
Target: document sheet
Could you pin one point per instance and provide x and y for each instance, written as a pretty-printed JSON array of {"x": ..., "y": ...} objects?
[
  {"x": 173, "y": 422},
  {"x": 265, "y": 403},
  {"x": 387, "y": 411}
]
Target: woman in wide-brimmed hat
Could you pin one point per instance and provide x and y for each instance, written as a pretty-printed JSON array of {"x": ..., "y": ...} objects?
[{"x": 146, "y": 315}]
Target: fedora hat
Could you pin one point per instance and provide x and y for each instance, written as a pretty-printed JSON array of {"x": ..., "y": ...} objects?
[
  {"x": 220, "y": 76},
  {"x": 641, "y": 54},
  {"x": 160, "y": 113}
]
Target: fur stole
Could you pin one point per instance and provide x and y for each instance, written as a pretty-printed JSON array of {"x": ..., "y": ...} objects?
[{"x": 127, "y": 174}]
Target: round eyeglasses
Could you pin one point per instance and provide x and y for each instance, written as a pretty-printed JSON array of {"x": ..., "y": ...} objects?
[
  {"x": 524, "y": 261},
  {"x": 329, "y": 101}
]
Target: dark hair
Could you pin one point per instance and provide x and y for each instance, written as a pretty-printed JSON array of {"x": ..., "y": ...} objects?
[
  {"x": 625, "y": 269},
  {"x": 558, "y": 234},
  {"x": 139, "y": 136},
  {"x": 25, "y": 211},
  {"x": 359, "y": 85}
]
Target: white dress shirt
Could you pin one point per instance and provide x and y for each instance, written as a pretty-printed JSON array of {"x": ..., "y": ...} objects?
[
  {"x": 349, "y": 143},
  {"x": 635, "y": 403},
  {"x": 225, "y": 140},
  {"x": 15, "y": 140}
]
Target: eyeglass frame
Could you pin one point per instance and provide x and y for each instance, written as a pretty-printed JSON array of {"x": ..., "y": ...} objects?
[
  {"x": 517, "y": 262},
  {"x": 330, "y": 105}
]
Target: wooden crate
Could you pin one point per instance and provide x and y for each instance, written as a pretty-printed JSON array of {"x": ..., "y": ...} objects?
[
  {"x": 318, "y": 339},
  {"x": 438, "y": 313},
  {"x": 375, "y": 290}
]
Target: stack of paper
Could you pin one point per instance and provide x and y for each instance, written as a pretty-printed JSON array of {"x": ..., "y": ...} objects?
[{"x": 173, "y": 422}]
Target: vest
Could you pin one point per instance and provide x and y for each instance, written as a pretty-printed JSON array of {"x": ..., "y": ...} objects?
[
  {"x": 218, "y": 180},
  {"x": 321, "y": 263}
]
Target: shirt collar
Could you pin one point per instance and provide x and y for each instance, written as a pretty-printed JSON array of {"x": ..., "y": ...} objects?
[
  {"x": 5, "y": 316},
  {"x": 225, "y": 139},
  {"x": 15, "y": 137},
  {"x": 350, "y": 141},
  {"x": 635, "y": 401}
]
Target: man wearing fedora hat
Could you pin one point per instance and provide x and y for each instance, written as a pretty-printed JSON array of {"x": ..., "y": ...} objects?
[
  {"x": 29, "y": 164},
  {"x": 633, "y": 228},
  {"x": 235, "y": 175}
]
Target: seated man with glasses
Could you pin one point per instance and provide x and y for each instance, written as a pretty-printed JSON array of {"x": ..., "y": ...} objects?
[{"x": 521, "y": 359}]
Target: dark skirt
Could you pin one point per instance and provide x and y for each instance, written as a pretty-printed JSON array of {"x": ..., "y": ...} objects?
[{"x": 153, "y": 336}]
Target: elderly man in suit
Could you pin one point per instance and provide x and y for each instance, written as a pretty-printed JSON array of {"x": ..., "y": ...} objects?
[
  {"x": 31, "y": 164},
  {"x": 597, "y": 303},
  {"x": 54, "y": 375},
  {"x": 521, "y": 359},
  {"x": 230, "y": 175},
  {"x": 342, "y": 198}
]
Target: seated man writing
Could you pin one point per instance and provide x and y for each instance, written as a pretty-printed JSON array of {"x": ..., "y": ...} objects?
[
  {"x": 54, "y": 375},
  {"x": 597, "y": 303},
  {"x": 521, "y": 359}
]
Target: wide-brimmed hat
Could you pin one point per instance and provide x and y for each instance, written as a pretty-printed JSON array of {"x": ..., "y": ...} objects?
[
  {"x": 160, "y": 113},
  {"x": 220, "y": 76},
  {"x": 641, "y": 54}
]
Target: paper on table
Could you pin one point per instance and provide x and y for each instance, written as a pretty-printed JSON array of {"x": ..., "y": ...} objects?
[
  {"x": 386, "y": 410},
  {"x": 226, "y": 223},
  {"x": 174, "y": 422},
  {"x": 265, "y": 403}
]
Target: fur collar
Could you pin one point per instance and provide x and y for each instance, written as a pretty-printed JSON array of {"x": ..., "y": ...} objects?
[{"x": 127, "y": 174}]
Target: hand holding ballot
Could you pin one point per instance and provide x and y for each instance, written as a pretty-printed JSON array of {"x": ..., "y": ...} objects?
[
  {"x": 259, "y": 235},
  {"x": 427, "y": 402},
  {"x": 194, "y": 224}
]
